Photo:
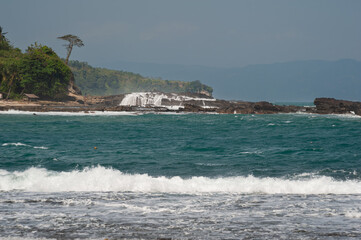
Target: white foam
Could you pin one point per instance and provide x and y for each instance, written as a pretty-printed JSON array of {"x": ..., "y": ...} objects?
[
  {"x": 143, "y": 99},
  {"x": 208, "y": 107},
  {"x": 353, "y": 214},
  {"x": 252, "y": 152},
  {"x": 106, "y": 179},
  {"x": 346, "y": 115},
  {"x": 98, "y": 113},
  {"x": 91, "y": 113},
  {"x": 154, "y": 99},
  {"x": 23, "y": 145},
  {"x": 41, "y": 147},
  {"x": 15, "y": 144}
]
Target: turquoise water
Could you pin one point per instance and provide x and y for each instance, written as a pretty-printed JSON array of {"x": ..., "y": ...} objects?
[
  {"x": 186, "y": 145},
  {"x": 183, "y": 176}
]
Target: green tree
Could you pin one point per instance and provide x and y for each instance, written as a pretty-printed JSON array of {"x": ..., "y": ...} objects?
[
  {"x": 10, "y": 76},
  {"x": 4, "y": 42},
  {"x": 2, "y": 35},
  {"x": 39, "y": 71},
  {"x": 101, "y": 81},
  {"x": 43, "y": 73},
  {"x": 72, "y": 41}
]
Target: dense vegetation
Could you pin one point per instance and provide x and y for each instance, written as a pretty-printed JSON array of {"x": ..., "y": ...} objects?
[
  {"x": 41, "y": 72},
  {"x": 38, "y": 71},
  {"x": 100, "y": 81}
]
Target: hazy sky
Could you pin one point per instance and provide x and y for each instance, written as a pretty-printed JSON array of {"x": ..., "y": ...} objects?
[{"x": 224, "y": 33}]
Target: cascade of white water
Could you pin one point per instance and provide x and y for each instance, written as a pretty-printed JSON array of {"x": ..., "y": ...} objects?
[
  {"x": 143, "y": 99},
  {"x": 154, "y": 99}
]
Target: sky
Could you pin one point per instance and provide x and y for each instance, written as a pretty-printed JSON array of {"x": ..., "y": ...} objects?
[{"x": 217, "y": 33}]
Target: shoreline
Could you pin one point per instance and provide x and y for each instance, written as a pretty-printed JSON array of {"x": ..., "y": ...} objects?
[
  {"x": 112, "y": 106},
  {"x": 129, "y": 113}
]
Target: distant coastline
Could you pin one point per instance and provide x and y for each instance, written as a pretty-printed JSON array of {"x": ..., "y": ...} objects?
[
  {"x": 38, "y": 80},
  {"x": 177, "y": 103}
]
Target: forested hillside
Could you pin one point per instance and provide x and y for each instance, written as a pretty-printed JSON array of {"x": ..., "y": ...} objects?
[
  {"x": 101, "y": 81},
  {"x": 38, "y": 71}
]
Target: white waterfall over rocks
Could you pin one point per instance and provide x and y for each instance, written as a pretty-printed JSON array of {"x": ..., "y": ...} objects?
[
  {"x": 168, "y": 100},
  {"x": 143, "y": 99}
]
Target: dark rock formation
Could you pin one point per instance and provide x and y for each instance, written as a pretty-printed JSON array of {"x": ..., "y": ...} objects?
[
  {"x": 266, "y": 107},
  {"x": 195, "y": 108},
  {"x": 191, "y": 103},
  {"x": 257, "y": 108},
  {"x": 113, "y": 100},
  {"x": 334, "y": 106},
  {"x": 72, "y": 88}
]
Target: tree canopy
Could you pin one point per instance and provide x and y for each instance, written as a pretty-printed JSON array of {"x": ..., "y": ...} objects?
[
  {"x": 39, "y": 71},
  {"x": 72, "y": 41},
  {"x": 4, "y": 42},
  {"x": 101, "y": 81},
  {"x": 43, "y": 72},
  {"x": 2, "y": 34}
]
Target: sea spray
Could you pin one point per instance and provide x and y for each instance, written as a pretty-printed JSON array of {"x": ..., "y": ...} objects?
[
  {"x": 106, "y": 179},
  {"x": 155, "y": 99}
]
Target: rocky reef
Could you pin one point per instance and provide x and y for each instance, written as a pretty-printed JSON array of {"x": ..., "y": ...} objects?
[
  {"x": 334, "y": 106},
  {"x": 187, "y": 102}
]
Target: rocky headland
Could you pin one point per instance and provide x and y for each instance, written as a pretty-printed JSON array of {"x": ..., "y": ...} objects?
[
  {"x": 334, "y": 106},
  {"x": 171, "y": 102}
]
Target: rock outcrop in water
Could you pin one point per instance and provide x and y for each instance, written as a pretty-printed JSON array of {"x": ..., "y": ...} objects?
[
  {"x": 158, "y": 102},
  {"x": 334, "y": 106},
  {"x": 171, "y": 102},
  {"x": 201, "y": 103}
]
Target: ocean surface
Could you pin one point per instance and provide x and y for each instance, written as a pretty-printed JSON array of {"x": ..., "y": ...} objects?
[{"x": 179, "y": 176}]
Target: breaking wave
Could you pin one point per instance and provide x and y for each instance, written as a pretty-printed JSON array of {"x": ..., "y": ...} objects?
[
  {"x": 19, "y": 144},
  {"x": 155, "y": 99},
  {"x": 106, "y": 179}
]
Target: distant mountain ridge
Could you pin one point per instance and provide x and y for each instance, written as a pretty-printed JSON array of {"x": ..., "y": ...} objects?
[{"x": 289, "y": 81}]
